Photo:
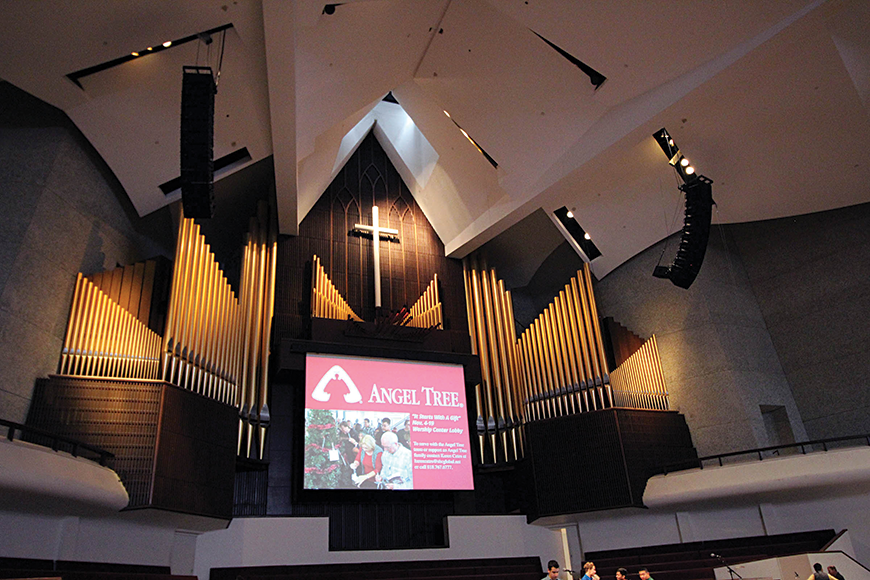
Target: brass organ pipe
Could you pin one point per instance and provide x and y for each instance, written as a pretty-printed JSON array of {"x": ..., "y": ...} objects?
[
  {"x": 568, "y": 354},
  {"x": 472, "y": 333},
  {"x": 531, "y": 382},
  {"x": 550, "y": 327},
  {"x": 593, "y": 313},
  {"x": 574, "y": 350},
  {"x": 245, "y": 301},
  {"x": 81, "y": 316},
  {"x": 191, "y": 287},
  {"x": 180, "y": 290},
  {"x": 174, "y": 296},
  {"x": 660, "y": 372},
  {"x": 584, "y": 343},
  {"x": 536, "y": 370},
  {"x": 644, "y": 376},
  {"x": 486, "y": 414},
  {"x": 531, "y": 410},
  {"x": 561, "y": 375},
  {"x": 495, "y": 370},
  {"x": 551, "y": 361},
  {"x": 513, "y": 391},
  {"x": 502, "y": 336},
  {"x": 70, "y": 323},
  {"x": 207, "y": 356},
  {"x": 577, "y": 347},
  {"x": 87, "y": 321},
  {"x": 543, "y": 372},
  {"x": 260, "y": 256},
  {"x": 267, "y": 328}
]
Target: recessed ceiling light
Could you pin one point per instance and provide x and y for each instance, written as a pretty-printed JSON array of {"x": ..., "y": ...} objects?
[
  {"x": 570, "y": 214},
  {"x": 167, "y": 44},
  {"x": 587, "y": 236},
  {"x": 135, "y": 53},
  {"x": 684, "y": 162}
]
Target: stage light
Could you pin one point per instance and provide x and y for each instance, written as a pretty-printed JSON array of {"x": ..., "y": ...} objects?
[
  {"x": 167, "y": 44},
  {"x": 135, "y": 53},
  {"x": 684, "y": 162},
  {"x": 149, "y": 48},
  {"x": 570, "y": 214},
  {"x": 448, "y": 114},
  {"x": 690, "y": 170},
  {"x": 587, "y": 236}
]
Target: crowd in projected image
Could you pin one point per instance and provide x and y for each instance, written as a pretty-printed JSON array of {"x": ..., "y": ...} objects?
[{"x": 385, "y": 424}]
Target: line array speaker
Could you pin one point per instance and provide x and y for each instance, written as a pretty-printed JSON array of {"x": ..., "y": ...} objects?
[
  {"x": 197, "y": 141},
  {"x": 695, "y": 234}
]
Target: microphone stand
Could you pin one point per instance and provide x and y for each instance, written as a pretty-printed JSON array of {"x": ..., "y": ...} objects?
[{"x": 731, "y": 570}]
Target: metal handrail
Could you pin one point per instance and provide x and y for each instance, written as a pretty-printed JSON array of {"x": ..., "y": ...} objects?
[
  {"x": 683, "y": 465},
  {"x": 56, "y": 440}
]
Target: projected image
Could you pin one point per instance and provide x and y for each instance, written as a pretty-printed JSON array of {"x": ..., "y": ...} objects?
[
  {"x": 385, "y": 424},
  {"x": 355, "y": 449}
]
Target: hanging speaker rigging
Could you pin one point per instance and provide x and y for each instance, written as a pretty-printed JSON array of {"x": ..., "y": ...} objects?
[{"x": 698, "y": 190}]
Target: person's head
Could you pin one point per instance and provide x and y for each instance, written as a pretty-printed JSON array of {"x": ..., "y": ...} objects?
[
  {"x": 385, "y": 424},
  {"x": 832, "y": 570},
  {"x": 621, "y": 574},
  {"x": 366, "y": 422},
  {"x": 344, "y": 426},
  {"x": 390, "y": 442},
  {"x": 643, "y": 573},
  {"x": 589, "y": 568},
  {"x": 367, "y": 442},
  {"x": 817, "y": 567},
  {"x": 553, "y": 569}
]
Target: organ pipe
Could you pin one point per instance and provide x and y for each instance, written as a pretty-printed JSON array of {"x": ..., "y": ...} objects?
[{"x": 213, "y": 342}]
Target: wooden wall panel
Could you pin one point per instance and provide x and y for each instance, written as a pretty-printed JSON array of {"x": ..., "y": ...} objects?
[{"x": 407, "y": 266}]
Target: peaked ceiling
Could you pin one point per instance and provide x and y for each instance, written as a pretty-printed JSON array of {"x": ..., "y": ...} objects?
[{"x": 769, "y": 99}]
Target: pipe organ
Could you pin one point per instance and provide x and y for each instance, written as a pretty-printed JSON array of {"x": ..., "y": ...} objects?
[
  {"x": 493, "y": 339},
  {"x": 557, "y": 366},
  {"x": 105, "y": 340},
  {"x": 563, "y": 354},
  {"x": 639, "y": 381},
  {"x": 214, "y": 343},
  {"x": 326, "y": 301},
  {"x": 427, "y": 311}
]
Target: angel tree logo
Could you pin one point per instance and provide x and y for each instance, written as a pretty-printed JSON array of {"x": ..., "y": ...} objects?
[{"x": 330, "y": 377}]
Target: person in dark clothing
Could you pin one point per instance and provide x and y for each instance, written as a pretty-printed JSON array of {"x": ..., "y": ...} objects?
[{"x": 832, "y": 570}]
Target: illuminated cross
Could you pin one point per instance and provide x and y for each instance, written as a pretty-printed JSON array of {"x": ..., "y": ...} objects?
[{"x": 377, "y": 233}]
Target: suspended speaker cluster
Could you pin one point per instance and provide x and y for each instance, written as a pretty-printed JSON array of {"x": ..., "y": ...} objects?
[
  {"x": 699, "y": 213},
  {"x": 197, "y": 141}
]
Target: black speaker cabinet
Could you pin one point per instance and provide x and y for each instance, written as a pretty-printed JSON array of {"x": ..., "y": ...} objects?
[
  {"x": 197, "y": 142},
  {"x": 695, "y": 234}
]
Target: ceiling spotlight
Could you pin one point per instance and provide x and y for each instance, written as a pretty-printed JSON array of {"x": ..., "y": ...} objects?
[
  {"x": 135, "y": 53},
  {"x": 587, "y": 236},
  {"x": 690, "y": 170},
  {"x": 149, "y": 48},
  {"x": 448, "y": 114},
  {"x": 167, "y": 44},
  {"x": 684, "y": 162},
  {"x": 570, "y": 214}
]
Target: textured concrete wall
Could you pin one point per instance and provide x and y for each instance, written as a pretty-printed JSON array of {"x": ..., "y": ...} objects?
[
  {"x": 61, "y": 212},
  {"x": 719, "y": 362},
  {"x": 811, "y": 277}
]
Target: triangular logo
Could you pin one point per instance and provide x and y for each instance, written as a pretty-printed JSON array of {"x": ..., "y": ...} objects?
[{"x": 336, "y": 373}]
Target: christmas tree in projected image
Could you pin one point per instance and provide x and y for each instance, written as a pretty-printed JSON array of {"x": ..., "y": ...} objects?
[{"x": 320, "y": 436}]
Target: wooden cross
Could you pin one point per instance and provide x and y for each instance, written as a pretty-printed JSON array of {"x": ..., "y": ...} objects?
[{"x": 377, "y": 233}]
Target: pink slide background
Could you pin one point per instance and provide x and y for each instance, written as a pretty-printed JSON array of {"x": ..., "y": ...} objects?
[{"x": 439, "y": 432}]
